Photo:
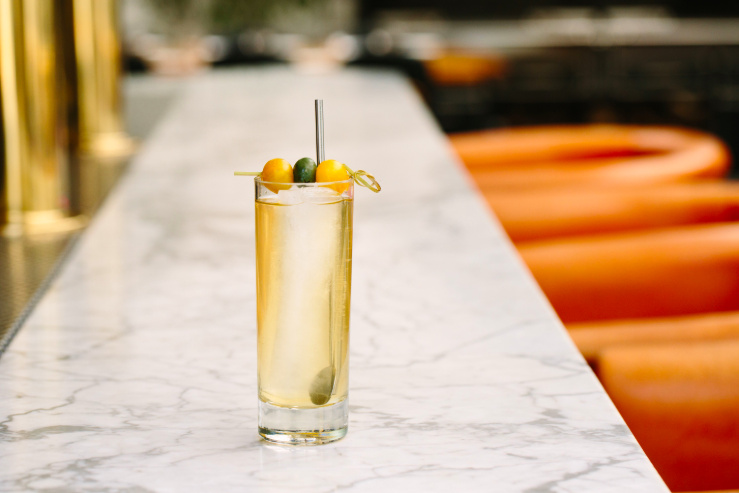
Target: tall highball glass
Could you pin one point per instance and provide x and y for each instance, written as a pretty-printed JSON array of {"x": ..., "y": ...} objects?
[{"x": 304, "y": 253}]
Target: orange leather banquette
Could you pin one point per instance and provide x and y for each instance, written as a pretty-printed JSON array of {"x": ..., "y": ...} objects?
[
  {"x": 526, "y": 157},
  {"x": 559, "y": 212}
]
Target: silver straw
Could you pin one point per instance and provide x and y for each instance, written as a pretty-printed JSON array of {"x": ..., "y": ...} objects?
[{"x": 320, "y": 151}]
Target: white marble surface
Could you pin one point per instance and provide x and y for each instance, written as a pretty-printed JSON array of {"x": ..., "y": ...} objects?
[{"x": 136, "y": 373}]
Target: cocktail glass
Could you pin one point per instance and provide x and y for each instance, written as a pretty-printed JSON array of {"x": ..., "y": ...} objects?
[{"x": 304, "y": 252}]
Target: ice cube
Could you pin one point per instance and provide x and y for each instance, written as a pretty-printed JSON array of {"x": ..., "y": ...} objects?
[
  {"x": 292, "y": 196},
  {"x": 320, "y": 195}
]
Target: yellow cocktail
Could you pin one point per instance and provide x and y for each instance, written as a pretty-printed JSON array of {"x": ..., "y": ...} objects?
[{"x": 304, "y": 250}]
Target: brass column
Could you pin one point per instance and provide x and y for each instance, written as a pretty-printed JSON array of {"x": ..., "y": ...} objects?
[
  {"x": 97, "y": 46},
  {"x": 35, "y": 159}
]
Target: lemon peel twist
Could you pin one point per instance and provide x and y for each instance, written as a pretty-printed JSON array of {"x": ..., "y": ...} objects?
[{"x": 364, "y": 179}]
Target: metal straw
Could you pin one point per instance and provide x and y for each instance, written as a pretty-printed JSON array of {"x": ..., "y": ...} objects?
[
  {"x": 320, "y": 150},
  {"x": 324, "y": 382}
]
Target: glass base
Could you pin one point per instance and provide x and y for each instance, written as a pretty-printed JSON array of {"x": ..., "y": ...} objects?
[{"x": 303, "y": 426}]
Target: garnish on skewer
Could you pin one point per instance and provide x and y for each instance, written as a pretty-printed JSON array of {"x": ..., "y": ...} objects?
[
  {"x": 305, "y": 171},
  {"x": 328, "y": 171}
]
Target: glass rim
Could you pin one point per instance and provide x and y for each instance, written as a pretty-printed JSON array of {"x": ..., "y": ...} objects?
[{"x": 348, "y": 181}]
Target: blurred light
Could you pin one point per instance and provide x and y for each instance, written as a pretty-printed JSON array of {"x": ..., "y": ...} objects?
[
  {"x": 421, "y": 46},
  {"x": 379, "y": 42},
  {"x": 215, "y": 48},
  {"x": 252, "y": 43},
  {"x": 284, "y": 45},
  {"x": 343, "y": 47}
]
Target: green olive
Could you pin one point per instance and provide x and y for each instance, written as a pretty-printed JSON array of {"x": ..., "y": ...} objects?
[
  {"x": 304, "y": 171},
  {"x": 322, "y": 386}
]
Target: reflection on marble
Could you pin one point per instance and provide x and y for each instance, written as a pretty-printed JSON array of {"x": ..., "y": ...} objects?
[{"x": 136, "y": 372}]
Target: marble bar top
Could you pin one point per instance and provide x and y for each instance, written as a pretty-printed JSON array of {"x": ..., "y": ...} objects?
[{"x": 137, "y": 371}]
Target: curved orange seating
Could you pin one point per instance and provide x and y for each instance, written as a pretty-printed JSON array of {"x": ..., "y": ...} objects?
[
  {"x": 660, "y": 273},
  {"x": 460, "y": 69},
  {"x": 594, "y": 338},
  {"x": 557, "y": 212},
  {"x": 681, "y": 401},
  {"x": 588, "y": 154}
]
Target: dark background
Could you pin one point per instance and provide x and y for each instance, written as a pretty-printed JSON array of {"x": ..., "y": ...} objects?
[{"x": 475, "y": 9}]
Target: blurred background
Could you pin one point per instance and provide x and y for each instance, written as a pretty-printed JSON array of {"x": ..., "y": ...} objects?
[
  {"x": 477, "y": 64},
  {"x": 600, "y": 133}
]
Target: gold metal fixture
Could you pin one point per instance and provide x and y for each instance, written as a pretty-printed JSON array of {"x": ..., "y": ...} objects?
[
  {"x": 97, "y": 46},
  {"x": 35, "y": 158}
]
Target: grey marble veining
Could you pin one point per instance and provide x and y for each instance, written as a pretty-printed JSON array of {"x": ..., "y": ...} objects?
[{"x": 137, "y": 373}]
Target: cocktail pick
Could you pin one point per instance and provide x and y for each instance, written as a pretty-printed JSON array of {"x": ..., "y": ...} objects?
[{"x": 361, "y": 177}]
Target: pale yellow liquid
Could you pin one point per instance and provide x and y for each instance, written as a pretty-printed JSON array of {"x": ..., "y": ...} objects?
[{"x": 304, "y": 256}]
